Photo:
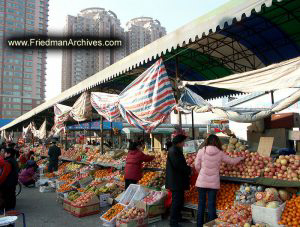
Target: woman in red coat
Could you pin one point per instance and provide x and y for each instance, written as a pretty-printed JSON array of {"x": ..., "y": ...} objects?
[{"x": 134, "y": 163}]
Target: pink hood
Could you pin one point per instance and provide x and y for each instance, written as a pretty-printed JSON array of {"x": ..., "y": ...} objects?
[{"x": 208, "y": 163}]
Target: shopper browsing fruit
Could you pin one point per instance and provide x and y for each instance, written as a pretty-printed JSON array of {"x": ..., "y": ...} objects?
[
  {"x": 28, "y": 175},
  {"x": 208, "y": 163},
  {"x": 134, "y": 161},
  {"x": 177, "y": 178},
  {"x": 53, "y": 153}
]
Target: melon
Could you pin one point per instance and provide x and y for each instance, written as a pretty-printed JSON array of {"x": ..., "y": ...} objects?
[{"x": 233, "y": 140}]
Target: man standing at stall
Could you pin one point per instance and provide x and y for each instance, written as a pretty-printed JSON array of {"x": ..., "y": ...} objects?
[
  {"x": 53, "y": 153},
  {"x": 177, "y": 178}
]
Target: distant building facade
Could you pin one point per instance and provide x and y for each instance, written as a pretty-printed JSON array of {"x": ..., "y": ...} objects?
[
  {"x": 22, "y": 72},
  {"x": 142, "y": 31},
  {"x": 79, "y": 64}
]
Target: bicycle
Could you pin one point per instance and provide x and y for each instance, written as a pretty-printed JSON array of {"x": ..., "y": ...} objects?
[{"x": 18, "y": 189}]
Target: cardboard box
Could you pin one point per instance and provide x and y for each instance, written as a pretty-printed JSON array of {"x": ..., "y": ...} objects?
[
  {"x": 283, "y": 120},
  {"x": 92, "y": 207},
  {"x": 142, "y": 222},
  {"x": 67, "y": 205}
]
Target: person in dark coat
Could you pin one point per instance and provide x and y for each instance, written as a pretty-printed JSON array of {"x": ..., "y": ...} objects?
[
  {"x": 54, "y": 152},
  {"x": 177, "y": 178},
  {"x": 134, "y": 163},
  {"x": 10, "y": 181}
]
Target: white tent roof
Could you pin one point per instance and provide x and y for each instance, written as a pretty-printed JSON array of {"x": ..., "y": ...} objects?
[{"x": 186, "y": 34}]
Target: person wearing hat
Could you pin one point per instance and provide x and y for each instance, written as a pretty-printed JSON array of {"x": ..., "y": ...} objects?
[
  {"x": 177, "y": 178},
  {"x": 27, "y": 175},
  {"x": 54, "y": 152}
]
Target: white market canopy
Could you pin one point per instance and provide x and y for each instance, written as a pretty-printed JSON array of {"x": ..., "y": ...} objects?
[
  {"x": 208, "y": 41},
  {"x": 274, "y": 77}
]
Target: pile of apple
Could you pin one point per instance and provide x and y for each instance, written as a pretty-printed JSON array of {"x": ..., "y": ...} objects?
[
  {"x": 190, "y": 159},
  {"x": 83, "y": 199},
  {"x": 285, "y": 168},
  {"x": 131, "y": 214},
  {"x": 252, "y": 166}
]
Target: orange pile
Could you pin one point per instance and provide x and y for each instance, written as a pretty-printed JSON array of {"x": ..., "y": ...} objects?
[
  {"x": 291, "y": 214},
  {"x": 191, "y": 196},
  {"x": 147, "y": 178},
  {"x": 226, "y": 195},
  {"x": 113, "y": 212},
  {"x": 65, "y": 177},
  {"x": 102, "y": 173},
  {"x": 64, "y": 188},
  {"x": 49, "y": 175}
]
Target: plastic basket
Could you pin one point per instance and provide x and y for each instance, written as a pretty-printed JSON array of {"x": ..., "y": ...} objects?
[
  {"x": 129, "y": 194},
  {"x": 269, "y": 216}
]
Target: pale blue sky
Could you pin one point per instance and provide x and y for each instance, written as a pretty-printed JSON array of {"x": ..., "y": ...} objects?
[{"x": 171, "y": 13}]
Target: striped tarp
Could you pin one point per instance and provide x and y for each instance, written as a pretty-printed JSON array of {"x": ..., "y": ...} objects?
[
  {"x": 82, "y": 109},
  {"x": 106, "y": 105},
  {"x": 149, "y": 99}
]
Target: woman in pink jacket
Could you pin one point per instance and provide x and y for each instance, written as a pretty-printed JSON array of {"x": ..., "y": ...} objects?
[{"x": 207, "y": 164}]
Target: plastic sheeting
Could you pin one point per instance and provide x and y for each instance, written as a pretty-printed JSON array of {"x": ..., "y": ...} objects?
[
  {"x": 191, "y": 101},
  {"x": 82, "y": 109},
  {"x": 106, "y": 105},
  {"x": 42, "y": 133},
  {"x": 277, "y": 76},
  {"x": 149, "y": 99}
]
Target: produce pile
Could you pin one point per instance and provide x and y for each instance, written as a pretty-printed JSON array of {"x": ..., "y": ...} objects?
[
  {"x": 158, "y": 162},
  {"x": 83, "y": 199},
  {"x": 291, "y": 214},
  {"x": 191, "y": 196},
  {"x": 190, "y": 159},
  {"x": 113, "y": 212},
  {"x": 157, "y": 181},
  {"x": 237, "y": 215},
  {"x": 285, "y": 168},
  {"x": 133, "y": 213},
  {"x": 148, "y": 177},
  {"x": 246, "y": 194},
  {"x": 271, "y": 198},
  {"x": 251, "y": 167},
  {"x": 226, "y": 195},
  {"x": 70, "y": 154}
]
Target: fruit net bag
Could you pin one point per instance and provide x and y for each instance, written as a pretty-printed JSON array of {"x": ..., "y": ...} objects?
[{"x": 238, "y": 215}]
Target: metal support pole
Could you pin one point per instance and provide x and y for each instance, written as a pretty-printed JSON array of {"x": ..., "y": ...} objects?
[
  {"x": 111, "y": 134},
  {"x": 272, "y": 97},
  {"x": 101, "y": 134},
  {"x": 193, "y": 126},
  {"x": 178, "y": 92},
  {"x": 66, "y": 143}
]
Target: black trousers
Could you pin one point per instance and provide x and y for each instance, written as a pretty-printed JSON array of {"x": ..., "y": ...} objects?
[
  {"x": 53, "y": 166},
  {"x": 129, "y": 182},
  {"x": 211, "y": 203},
  {"x": 9, "y": 198},
  {"x": 176, "y": 207}
]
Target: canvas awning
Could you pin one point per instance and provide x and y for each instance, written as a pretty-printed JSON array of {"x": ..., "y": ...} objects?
[{"x": 277, "y": 76}]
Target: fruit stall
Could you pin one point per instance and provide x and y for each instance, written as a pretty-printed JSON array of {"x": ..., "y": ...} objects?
[{"x": 260, "y": 190}]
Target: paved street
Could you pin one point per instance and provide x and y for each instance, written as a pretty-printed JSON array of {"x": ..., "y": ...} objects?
[{"x": 42, "y": 210}]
